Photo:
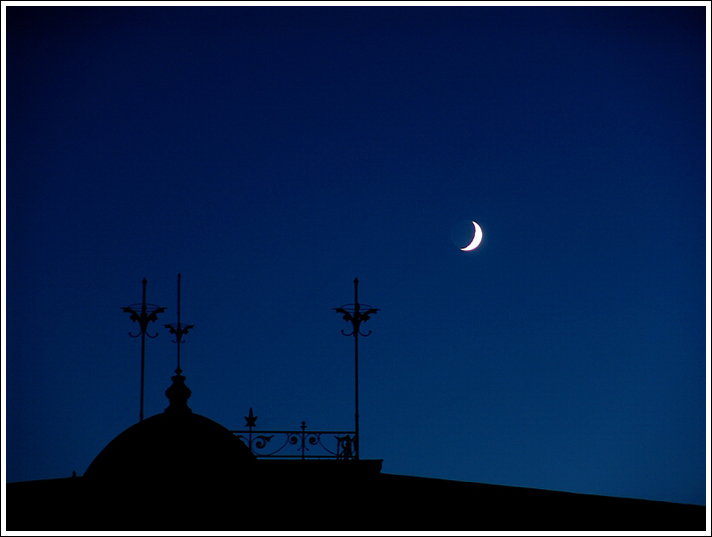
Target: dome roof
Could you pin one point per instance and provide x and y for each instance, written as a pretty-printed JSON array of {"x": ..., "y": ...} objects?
[{"x": 176, "y": 445}]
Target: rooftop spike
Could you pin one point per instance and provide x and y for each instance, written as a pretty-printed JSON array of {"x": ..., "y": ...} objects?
[{"x": 179, "y": 330}]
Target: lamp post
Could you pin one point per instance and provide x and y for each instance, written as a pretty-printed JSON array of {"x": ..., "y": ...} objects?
[
  {"x": 352, "y": 313},
  {"x": 149, "y": 313}
]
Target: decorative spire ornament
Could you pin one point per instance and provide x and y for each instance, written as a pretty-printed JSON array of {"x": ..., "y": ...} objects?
[
  {"x": 179, "y": 329},
  {"x": 149, "y": 313},
  {"x": 352, "y": 313}
]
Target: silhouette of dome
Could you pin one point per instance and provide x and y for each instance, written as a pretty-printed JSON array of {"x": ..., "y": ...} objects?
[{"x": 175, "y": 446}]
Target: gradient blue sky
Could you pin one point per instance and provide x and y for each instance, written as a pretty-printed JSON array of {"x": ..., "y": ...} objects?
[{"x": 272, "y": 154}]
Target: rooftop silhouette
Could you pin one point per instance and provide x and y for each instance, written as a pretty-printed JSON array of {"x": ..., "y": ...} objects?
[{"x": 179, "y": 470}]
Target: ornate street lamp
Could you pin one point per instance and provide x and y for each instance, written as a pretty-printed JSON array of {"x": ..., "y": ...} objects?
[
  {"x": 149, "y": 313},
  {"x": 352, "y": 313}
]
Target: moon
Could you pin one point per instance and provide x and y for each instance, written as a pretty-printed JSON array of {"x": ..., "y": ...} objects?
[{"x": 476, "y": 240}]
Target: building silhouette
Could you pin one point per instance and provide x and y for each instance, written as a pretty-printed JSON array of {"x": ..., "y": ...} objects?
[{"x": 179, "y": 470}]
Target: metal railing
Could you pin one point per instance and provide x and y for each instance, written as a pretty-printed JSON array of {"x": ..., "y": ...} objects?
[{"x": 301, "y": 444}]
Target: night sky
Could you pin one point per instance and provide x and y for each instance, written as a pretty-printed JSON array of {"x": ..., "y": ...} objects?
[{"x": 270, "y": 155}]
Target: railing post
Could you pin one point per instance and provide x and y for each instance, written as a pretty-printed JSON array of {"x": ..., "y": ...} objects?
[{"x": 304, "y": 426}]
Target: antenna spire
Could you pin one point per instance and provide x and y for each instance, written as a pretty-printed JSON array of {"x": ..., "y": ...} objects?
[{"x": 179, "y": 330}]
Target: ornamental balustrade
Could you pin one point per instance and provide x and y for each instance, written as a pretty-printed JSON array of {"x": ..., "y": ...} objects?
[{"x": 300, "y": 444}]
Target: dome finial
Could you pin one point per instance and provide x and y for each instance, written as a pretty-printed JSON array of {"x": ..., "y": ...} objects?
[{"x": 178, "y": 394}]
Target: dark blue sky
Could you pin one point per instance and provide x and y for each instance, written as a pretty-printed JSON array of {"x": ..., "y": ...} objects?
[{"x": 272, "y": 154}]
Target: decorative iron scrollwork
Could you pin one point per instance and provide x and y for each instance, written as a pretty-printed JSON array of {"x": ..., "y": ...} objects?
[
  {"x": 262, "y": 447},
  {"x": 352, "y": 313},
  {"x": 143, "y": 314},
  {"x": 344, "y": 448}
]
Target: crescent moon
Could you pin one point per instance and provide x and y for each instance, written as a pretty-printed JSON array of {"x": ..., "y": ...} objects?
[{"x": 476, "y": 240}]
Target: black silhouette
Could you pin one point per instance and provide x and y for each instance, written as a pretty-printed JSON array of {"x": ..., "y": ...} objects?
[
  {"x": 148, "y": 314},
  {"x": 179, "y": 470}
]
